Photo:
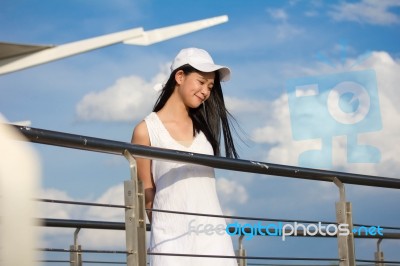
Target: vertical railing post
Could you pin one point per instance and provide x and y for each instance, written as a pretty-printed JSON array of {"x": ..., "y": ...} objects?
[
  {"x": 135, "y": 223},
  {"x": 75, "y": 253},
  {"x": 379, "y": 254},
  {"x": 241, "y": 252},
  {"x": 344, "y": 216}
]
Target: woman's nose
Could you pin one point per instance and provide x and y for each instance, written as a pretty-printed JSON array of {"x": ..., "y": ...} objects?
[{"x": 205, "y": 91}]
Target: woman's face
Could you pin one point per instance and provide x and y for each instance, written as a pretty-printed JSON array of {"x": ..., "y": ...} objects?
[{"x": 194, "y": 88}]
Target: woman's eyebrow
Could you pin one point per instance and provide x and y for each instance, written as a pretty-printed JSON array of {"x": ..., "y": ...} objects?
[{"x": 206, "y": 79}]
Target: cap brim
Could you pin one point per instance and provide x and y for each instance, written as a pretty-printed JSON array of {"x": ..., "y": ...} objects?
[{"x": 224, "y": 72}]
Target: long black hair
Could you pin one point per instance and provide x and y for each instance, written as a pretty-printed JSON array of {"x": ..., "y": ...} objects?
[{"x": 210, "y": 117}]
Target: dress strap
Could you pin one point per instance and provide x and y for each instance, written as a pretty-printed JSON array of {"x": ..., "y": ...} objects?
[{"x": 154, "y": 128}]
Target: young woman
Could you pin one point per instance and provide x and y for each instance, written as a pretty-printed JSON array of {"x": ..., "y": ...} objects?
[{"x": 189, "y": 115}]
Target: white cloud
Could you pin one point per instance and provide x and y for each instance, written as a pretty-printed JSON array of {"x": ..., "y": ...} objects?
[
  {"x": 53, "y": 236},
  {"x": 128, "y": 99},
  {"x": 106, "y": 239},
  {"x": 114, "y": 195},
  {"x": 367, "y": 11},
  {"x": 283, "y": 30},
  {"x": 315, "y": 8},
  {"x": 88, "y": 238},
  {"x": 240, "y": 105},
  {"x": 278, "y": 14},
  {"x": 277, "y": 129},
  {"x": 55, "y": 210},
  {"x": 287, "y": 31},
  {"x": 230, "y": 191}
]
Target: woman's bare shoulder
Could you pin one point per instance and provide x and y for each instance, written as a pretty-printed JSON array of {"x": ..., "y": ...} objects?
[{"x": 141, "y": 134}]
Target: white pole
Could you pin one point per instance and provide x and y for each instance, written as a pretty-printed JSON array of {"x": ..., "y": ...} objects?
[{"x": 19, "y": 181}]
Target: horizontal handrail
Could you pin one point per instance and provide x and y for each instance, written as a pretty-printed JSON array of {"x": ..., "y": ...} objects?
[
  {"x": 83, "y": 250},
  {"x": 62, "y": 139},
  {"x": 68, "y": 223},
  {"x": 83, "y": 203},
  {"x": 85, "y": 261}
]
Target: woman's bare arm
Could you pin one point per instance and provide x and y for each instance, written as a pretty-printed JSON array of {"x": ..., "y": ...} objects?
[{"x": 141, "y": 136}]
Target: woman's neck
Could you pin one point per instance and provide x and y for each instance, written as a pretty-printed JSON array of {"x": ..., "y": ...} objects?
[{"x": 175, "y": 109}]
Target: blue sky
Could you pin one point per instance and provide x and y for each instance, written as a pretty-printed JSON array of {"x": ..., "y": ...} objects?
[{"x": 265, "y": 43}]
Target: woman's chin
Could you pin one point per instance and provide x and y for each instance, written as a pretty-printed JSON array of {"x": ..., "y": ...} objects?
[{"x": 195, "y": 104}]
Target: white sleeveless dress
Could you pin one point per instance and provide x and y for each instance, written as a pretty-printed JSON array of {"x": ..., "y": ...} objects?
[{"x": 188, "y": 188}]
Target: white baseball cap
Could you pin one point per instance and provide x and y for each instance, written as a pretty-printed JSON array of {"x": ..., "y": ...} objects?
[{"x": 201, "y": 60}]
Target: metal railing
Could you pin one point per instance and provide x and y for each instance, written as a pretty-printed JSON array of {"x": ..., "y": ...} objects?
[{"x": 135, "y": 226}]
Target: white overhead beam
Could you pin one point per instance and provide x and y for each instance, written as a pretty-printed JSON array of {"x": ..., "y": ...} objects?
[
  {"x": 162, "y": 34},
  {"x": 69, "y": 49},
  {"x": 136, "y": 36}
]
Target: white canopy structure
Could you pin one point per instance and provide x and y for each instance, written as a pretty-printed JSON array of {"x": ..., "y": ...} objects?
[{"x": 14, "y": 57}]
